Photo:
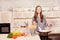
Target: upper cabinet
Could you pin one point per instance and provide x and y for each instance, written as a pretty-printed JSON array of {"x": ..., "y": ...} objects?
[{"x": 5, "y": 17}]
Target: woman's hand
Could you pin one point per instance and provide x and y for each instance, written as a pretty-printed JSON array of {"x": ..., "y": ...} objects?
[
  {"x": 34, "y": 23},
  {"x": 50, "y": 25}
]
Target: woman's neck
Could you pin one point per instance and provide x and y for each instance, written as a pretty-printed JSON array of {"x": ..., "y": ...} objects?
[{"x": 38, "y": 14}]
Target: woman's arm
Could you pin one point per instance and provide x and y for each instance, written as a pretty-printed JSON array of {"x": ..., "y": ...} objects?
[
  {"x": 33, "y": 22},
  {"x": 46, "y": 24}
]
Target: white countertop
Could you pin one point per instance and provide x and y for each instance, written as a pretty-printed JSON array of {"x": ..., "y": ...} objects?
[{"x": 29, "y": 37}]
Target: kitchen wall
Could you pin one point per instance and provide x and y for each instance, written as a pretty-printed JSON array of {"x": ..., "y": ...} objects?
[{"x": 18, "y": 11}]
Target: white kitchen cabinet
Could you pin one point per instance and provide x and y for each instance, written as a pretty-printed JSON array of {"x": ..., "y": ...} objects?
[{"x": 5, "y": 17}]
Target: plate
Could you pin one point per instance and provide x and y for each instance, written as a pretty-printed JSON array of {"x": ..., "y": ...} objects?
[{"x": 44, "y": 31}]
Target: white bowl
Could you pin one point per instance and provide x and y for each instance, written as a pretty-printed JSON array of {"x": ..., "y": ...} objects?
[{"x": 44, "y": 30}]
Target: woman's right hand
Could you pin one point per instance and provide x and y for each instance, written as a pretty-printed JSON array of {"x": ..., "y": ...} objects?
[{"x": 34, "y": 23}]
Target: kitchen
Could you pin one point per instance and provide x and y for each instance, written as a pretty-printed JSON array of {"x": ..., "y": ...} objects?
[{"x": 16, "y": 12}]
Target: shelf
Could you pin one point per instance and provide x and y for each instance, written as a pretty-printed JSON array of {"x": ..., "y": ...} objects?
[{"x": 31, "y": 18}]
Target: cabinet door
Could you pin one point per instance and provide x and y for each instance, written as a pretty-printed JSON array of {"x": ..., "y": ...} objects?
[{"x": 5, "y": 17}]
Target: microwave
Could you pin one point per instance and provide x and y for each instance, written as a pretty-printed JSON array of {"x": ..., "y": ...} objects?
[{"x": 4, "y": 28}]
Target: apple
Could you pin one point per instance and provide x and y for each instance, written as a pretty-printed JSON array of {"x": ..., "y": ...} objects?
[
  {"x": 14, "y": 36},
  {"x": 23, "y": 34}
]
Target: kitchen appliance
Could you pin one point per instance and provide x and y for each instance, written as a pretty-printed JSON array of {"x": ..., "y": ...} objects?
[{"x": 4, "y": 28}]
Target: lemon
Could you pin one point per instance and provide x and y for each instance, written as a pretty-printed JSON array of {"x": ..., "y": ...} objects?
[{"x": 17, "y": 33}]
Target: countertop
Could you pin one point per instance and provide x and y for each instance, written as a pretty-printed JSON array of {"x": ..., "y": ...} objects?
[{"x": 29, "y": 37}]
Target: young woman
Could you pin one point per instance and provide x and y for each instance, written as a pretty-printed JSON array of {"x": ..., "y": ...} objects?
[
  {"x": 39, "y": 23},
  {"x": 39, "y": 19}
]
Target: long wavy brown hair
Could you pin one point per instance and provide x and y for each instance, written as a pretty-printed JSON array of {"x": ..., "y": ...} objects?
[{"x": 36, "y": 14}]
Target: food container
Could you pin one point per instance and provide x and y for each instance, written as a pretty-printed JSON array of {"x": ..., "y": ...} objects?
[{"x": 44, "y": 32}]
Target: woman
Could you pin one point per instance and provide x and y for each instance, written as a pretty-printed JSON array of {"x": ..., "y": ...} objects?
[{"x": 39, "y": 19}]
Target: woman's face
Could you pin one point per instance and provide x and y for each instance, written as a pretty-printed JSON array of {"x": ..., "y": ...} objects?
[{"x": 38, "y": 10}]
